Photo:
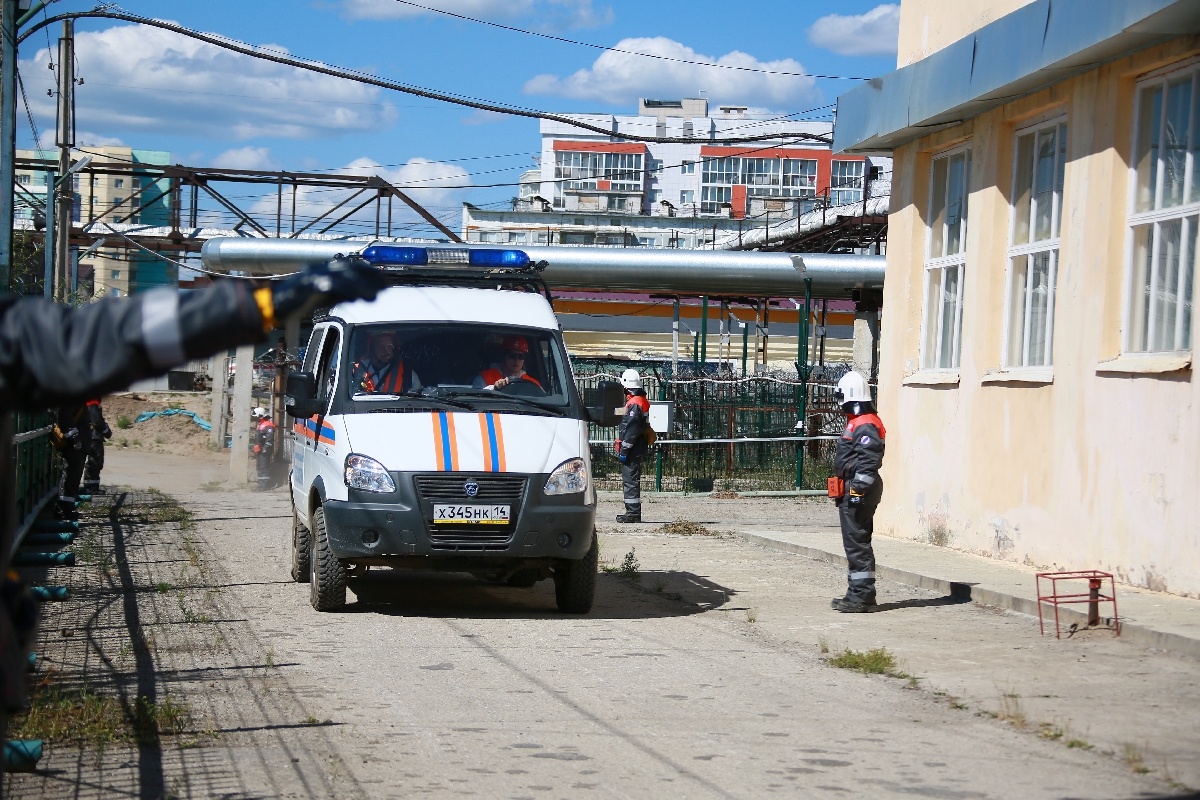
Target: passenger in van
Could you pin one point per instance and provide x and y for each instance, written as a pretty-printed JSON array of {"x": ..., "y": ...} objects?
[
  {"x": 510, "y": 368},
  {"x": 382, "y": 370}
]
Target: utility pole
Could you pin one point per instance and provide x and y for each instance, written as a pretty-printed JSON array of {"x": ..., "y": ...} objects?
[
  {"x": 65, "y": 139},
  {"x": 8, "y": 133}
]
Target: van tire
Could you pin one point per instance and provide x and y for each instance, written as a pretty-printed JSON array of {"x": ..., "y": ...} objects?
[
  {"x": 327, "y": 573},
  {"x": 575, "y": 581},
  {"x": 301, "y": 550}
]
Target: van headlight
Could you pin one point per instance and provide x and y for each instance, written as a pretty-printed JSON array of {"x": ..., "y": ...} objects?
[
  {"x": 367, "y": 474},
  {"x": 569, "y": 477}
]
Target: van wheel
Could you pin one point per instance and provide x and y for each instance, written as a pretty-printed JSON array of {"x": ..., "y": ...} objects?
[
  {"x": 575, "y": 582},
  {"x": 327, "y": 573},
  {"x": 300, "y": 550}
]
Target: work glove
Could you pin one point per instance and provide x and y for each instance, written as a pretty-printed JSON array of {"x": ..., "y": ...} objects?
[
  {"x": 622, "y": 457},
  {"x": 853, "y": 497},
  {"x": 107, "y": 432},
  {"x": 257, "y": 448},
  {"x": 72, "y": 433},
  {"x": 325, "y": 285},
  {"x": 617, "y": 446}
]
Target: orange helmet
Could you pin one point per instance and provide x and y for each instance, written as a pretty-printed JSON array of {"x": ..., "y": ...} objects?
[{"x": 515, "y": 344}]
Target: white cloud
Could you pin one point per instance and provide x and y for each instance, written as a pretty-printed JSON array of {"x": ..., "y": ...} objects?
[
  {"x": 568, "y": 13},
  {"x": 874, "y": 33},
  {"x": 624, "y": 77},
  {"x": 152, "y": 80},
  {"x": 89, "y": 139},
  {"x": 246, "y": 158},
  {"x": 432, "y": 184}
]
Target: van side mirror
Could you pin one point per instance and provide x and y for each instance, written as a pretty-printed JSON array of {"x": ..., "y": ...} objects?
[
  {"x": 610, "y": 404},
  {"x": 300, "y": 396}
]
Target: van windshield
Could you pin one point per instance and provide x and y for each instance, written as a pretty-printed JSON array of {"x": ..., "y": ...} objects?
[{"x": 397, "y": 365}]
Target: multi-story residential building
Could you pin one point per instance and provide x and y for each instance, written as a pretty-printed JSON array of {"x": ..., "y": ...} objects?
[
  {"x": 113, "y": 195},
  {"x": 1038, "y": 376},
  {"x": 602, "y": 190}
]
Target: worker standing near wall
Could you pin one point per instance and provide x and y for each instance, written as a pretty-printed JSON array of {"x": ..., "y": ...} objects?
[
  {"x": 264, "y": 446},
  {"x": 95, "y": 456},
  {"x": 856, "y": 467}
]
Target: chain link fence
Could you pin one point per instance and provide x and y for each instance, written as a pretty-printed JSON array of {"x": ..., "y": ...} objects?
[{"x": 727, "y": 433}]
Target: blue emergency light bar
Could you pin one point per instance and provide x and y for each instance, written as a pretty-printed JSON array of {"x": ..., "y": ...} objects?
[{"x": 383, "y": 254}]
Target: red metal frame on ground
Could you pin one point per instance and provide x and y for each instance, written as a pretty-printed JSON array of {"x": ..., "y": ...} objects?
[{"x": 1093, "y": 595}]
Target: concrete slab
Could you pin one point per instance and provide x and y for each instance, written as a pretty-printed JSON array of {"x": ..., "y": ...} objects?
[{"x": 1163, "y": 621}]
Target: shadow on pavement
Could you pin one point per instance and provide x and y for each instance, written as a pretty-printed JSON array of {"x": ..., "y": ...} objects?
[
  {"x": 408, "y": 593},
  {"x": 924, "y": 602}
]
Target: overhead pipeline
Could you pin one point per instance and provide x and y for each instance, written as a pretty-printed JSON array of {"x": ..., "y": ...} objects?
[{"x": 688, "y": 272}]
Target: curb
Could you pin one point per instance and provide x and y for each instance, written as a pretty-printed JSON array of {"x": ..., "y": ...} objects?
[{"x": 1130, "y": 631}]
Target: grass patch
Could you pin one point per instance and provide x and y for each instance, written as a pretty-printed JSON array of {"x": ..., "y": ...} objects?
[
  {"x": 1011, "y": 710},
  {"x": 85, "y": 717},
  {"x": 1134, "y": 758},
  {"x": 162, "y": 587},
  {"x": 751, "y": 615},
  {"x": 871, "y": 662},
  {"x": 1078, "y": 744},
  {"x": 1048, "y": 730},
  {"x": 124, "y": 422},
  {"x": 211, "y": 486},
  {"x": 683, "y": 527},
  {"x": 627, "y": 569}
]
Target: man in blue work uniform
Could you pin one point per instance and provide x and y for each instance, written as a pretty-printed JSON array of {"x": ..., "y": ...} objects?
[{"x": 859, "y": 456}]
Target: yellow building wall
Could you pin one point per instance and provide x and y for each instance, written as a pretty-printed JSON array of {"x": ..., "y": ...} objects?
[
  {"x": 927, "y": 26},
  {"x": 1095, "y": 470}
]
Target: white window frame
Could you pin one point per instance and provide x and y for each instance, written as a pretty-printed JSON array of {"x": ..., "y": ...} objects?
[
  {"x": 935, "y": 268},
  {"x": 1051, "y": 246},
  {"x": 1187, "y": 214}
]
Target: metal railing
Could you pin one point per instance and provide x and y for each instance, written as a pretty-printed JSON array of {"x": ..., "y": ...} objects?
[
  {"x": 730, "y": 434},
  {"x": 35, "y": 468}
]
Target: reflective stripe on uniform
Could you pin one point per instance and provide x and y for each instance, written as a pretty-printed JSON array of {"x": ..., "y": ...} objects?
[
  {"x": 862, "y": 576},
  {"x": 160, "y": 328}
]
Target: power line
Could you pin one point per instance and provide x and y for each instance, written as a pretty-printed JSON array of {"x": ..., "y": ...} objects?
[
  {"x": 371, "y": 80},
  {"x": 627, "y": 52}
]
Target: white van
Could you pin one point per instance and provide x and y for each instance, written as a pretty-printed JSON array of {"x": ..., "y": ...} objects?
[{"x": 409, "y": 451}]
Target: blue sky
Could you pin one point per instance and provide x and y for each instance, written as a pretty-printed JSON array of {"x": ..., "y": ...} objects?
[{"x": 155, "y": 90}]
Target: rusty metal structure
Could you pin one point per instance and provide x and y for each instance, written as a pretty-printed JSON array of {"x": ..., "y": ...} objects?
[{"x": 200, "y": 198}]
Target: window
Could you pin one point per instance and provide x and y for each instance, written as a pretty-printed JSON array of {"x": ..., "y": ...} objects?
[
  {"x": 655, "y": 196},
  {"x": 687, "y": 197},
  {"x": 1039, "y": 165},
  {"x": 117, "y": 200},
  {"x": 116, "y": 273},
  {"x": 945, "y": 259},
  {"x": 654, "y": 166},
  {"x": 687, "y": 168},
  {"x": 713, "y": 197},
  {"x": 1165, "y": 217},
  {"x": 23, "y": 179},
  {"x": 799, "y": 177},
  {"x": 581, "y": 171},
  {"x": 327, "y": 371},
  {"x": 118, "y": 183},
  {"x": 846, "y": 183}
]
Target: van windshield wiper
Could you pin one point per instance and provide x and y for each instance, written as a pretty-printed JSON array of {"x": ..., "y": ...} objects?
[
  {"x": 490, "y": 396},
  {"x": 418, "y": 395}
]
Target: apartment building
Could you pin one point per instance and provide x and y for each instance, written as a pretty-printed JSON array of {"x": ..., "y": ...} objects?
[
  {"x": 1038, "y": 374},
  {"x": 111, "y": 190},
  {"x": 595, "y": 189}
]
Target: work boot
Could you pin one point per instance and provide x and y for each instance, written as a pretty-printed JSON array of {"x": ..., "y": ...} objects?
[
  {"x": 631, "y": 515},
  {"x": 853, "y": 605}
]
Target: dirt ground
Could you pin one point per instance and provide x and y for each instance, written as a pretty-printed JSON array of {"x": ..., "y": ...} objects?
[{"x": 177, "y": 435}]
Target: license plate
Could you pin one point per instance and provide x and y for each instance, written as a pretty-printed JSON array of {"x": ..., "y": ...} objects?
[{"x": 444, "y": 514}]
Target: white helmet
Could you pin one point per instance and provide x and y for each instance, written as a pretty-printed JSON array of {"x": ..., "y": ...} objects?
[
  {"x": 631, "y": 379},
  {"x": 852, "y": 388},
  {"x": 259, "y": 413}
]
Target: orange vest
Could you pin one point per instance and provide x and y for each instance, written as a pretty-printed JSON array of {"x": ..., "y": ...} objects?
[
  {"x": 491, "y": 375},
  {"x": 865, "y": 419},
  {"x": 393, "y": 384},
  {"x": 640, "y": 401}
]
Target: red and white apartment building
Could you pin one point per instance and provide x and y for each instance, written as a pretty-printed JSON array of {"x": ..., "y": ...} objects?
[{"x": 592, "y": 189}]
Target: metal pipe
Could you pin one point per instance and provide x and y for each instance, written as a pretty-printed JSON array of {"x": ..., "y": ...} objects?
[{"x": 669, "y": 271}]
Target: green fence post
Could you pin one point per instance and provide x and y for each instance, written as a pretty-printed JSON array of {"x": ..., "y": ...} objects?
[
  {"x": 703, "y": 331},
  {"x": 803, "y": 370},
  {"x": 658, "y": 456}
]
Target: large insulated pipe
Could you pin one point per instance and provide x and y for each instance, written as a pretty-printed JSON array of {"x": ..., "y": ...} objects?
[{"x": 691, "y": 272}]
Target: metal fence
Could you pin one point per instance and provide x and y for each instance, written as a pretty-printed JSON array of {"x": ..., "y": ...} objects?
[
  {"x": 729, "y": 434},
  {"x": 35, "y": 467}
]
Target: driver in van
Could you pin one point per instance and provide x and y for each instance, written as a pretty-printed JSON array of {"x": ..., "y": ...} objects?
[
  {"x": 510, "y": 368},
  {"x": 382, "y": 370}
]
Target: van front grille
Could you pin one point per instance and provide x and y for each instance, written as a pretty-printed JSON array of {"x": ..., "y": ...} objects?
[{"x": 450, "y": 487}]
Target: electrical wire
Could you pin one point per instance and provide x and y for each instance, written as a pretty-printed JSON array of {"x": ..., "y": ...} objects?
[
  {"x": 371, "y": 80},
  {"x": 626, "y": 52},
  {"x": 37, "y": 136}
]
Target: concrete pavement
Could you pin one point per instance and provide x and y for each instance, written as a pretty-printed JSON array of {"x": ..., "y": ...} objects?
[{"x": 1163, "y": 621}]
